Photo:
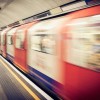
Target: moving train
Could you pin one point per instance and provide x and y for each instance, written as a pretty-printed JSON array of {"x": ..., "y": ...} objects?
[{"x": 62, "y": 54}]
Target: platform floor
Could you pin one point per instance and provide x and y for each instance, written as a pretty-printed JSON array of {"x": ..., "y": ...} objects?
[{"x": 14, "y": 87}]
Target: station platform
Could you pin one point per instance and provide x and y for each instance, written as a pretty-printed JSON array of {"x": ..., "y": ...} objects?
[{"x": 15, "y": 86}]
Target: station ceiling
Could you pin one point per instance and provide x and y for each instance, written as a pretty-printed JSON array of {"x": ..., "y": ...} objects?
[{"x": 15, "y": 10}]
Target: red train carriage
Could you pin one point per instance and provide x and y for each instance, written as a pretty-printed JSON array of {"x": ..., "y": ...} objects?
[
  {"x": 20, "y": 47},
  {"x": 43, "y": 53},
  {"x": 81, "y": 54}
]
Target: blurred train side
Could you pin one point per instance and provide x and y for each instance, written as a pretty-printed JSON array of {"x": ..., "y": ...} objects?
[
  {"x": 10, "y": 44},
  {"x": 78, "y": 46},
  {"x": 3, "y": 41},
  {"x": 55, "y": 53},
  {"x": 20, "y": 47}
]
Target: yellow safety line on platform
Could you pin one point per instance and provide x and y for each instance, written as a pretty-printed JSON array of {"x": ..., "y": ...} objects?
[{"x": 21, "y": 82}]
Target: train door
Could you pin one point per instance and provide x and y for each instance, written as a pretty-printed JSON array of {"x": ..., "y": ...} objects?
[
  {"x": 10, "y": 44},
  {"x": 3, "y": 42},
  {"x": 20, "y": 47}
]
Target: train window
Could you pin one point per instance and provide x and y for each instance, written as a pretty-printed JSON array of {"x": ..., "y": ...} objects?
[
  {"x": 43, "y": 43},
  {"x": 20, "y": 40},
  {"x": 9, "y": 40},
  {"x": 48, "y": 44},
  {"x": 36, "y": 43},
  {"x": 84, "y": 43}
]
